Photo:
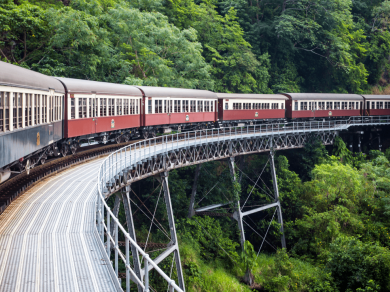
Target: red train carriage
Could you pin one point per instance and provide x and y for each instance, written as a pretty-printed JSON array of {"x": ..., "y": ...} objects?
[
  {"x": 176, "y": 108},
  {"x": 99, "y": 111},
  {"x": 377, "y": 105},
  {"x": 238, "y": 108},
  {"x": 321, "y": 105}
]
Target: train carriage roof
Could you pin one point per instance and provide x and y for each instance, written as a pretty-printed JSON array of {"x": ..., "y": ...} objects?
[
  {"x": 376, "y": 96},
  {"x": 251, "y": 96},
  {"x": 151, "y": 91},
  {"x": 96, "y": 87},
  {"x": 12, "y": 75},
  {"x": 323, "y": 96}
]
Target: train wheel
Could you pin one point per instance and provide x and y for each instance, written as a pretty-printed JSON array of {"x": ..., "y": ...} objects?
[
  {"x": 118, "y": 139},
  {"x": 126, "y": 138},
  {"x": 152, "y": 134},
  {"x": 73, "y": 149},
  {"x": 64, "y": 150},
  {"x": 145, "y": 134},
  {"x": 27, "y": 166}
]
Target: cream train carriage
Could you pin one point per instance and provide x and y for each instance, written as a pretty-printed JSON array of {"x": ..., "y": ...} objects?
[{"x": 31, "y": 117}]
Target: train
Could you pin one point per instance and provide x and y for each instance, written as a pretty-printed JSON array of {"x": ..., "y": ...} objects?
[{"x": 43, "y": 116}]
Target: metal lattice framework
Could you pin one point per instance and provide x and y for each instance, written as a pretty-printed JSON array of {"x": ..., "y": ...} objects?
[{"x": 162, "y": 154}]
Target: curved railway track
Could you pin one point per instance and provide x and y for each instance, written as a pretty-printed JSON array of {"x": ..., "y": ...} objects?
[{"x": 17, "y": 185}]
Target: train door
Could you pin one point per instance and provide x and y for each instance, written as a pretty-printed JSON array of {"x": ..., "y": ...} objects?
[
  {"x": 142, "y": 110},
  {"x": 361, "y": 109},
  {"x": 220, "y": 109},
  {"x": 368, "y": 108}
]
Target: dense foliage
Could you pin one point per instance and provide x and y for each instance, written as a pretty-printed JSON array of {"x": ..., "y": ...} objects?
[{"x": 223, "y": 45}]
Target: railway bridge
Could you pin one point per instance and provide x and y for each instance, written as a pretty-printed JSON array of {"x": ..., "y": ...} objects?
[{"x": 61, "y": 235}]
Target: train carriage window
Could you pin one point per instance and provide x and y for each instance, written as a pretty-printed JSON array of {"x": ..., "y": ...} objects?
[
  {"x": 26, "y": 110},
  {"x": 72, "y": 109},
  {"x": 111, "y": 106},
  {"x": 386, "y": 105},
  {"x": 6, "y": 111},
  {"x": 28, "y": 115},
  {"x": 44, "y": 108},
  {"x": 337, "y": 105},
  {"x": 296, "y": 105},
  {"x": 175, "y": 106},
  {"x": 165, "y": 106},
  {"x": 1, "y": 112},
  {"x": 357, "y": 105},
  {"x": 136, "y": 101},
  {"x": 212, "y": 106},
  {"x": 226, "y": 106},
  {"x": 185, "y": 106},
  {"x": 20, "y": 116},
  {"x": 80, "y": 108},
  {"x": 160, "y": 106},
  {"x": 126, "y": 106},
  {"x": 119, "y": 106},
  {"x": 379, "y": 105},
  {"x": 54, "y": 108},
  {"x": 170, "y": 106},
  {"x": 329, "y": 105},
  {"x": 282, "y": 106},
  {"x": 373, "y": 105},
  {"x": 37, "y": 108},
  {"x": 303, "y": 105},
  {"x": 155, "y": 106},
  {"x": 149, "y": 106},
  {"x": 84, "y": 107},
  {"x": 234, "y": 105},
  {"x": 14, "y": 111},
  {"x": 90, "y": 107},
  {"x": 103, "y": 107}
]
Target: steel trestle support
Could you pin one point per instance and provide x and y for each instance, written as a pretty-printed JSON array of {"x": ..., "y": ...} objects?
[
  {"x": 276, "y": 190},
  {"x": 172, "y": 228},
  {"x": 130, "y": 226},
  {"x": 237, "y": 213},
  {"x": 191, "y": 211}
]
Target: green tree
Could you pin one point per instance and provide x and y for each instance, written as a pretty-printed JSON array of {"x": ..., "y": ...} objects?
[{"x": 358, "y": 266}]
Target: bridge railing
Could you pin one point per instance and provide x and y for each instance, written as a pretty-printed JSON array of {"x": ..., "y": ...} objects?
[{"x": 126, "y": 158}]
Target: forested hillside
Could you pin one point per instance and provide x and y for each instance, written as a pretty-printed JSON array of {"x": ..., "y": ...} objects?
[{"x": 223, "y": 45}]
